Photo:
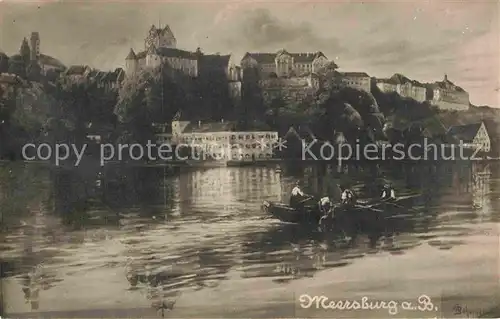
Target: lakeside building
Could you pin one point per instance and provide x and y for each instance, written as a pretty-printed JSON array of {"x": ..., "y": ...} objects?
[
  {"x": 221, "y": 139},
  {"x": 474, "y": 136}
]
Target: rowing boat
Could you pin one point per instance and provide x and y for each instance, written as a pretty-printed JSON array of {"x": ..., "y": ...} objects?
[{"x": 363, "y": 211}]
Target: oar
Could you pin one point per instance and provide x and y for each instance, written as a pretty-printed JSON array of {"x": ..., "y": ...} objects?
[{"x": 309, "y": 197}]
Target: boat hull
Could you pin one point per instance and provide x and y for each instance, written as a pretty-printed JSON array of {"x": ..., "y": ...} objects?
[
  {"x": 287, "y": 214},
  {"x": 361, "y": 216}
]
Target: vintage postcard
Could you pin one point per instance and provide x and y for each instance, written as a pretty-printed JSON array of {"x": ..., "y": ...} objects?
[{"x": 249, "y": 159}]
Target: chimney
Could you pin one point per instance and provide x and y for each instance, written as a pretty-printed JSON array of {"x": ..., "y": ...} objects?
[
  {"x": 446, "y": 77},
  {"x": 222, "y": 120},
  {"x": 199, "y": 123}
]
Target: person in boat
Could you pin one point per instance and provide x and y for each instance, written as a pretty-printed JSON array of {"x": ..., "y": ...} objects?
[
  {"x": 298, "y": 197},
  {"x": 325, "y": 205},
  {"x": 347, "y": 197},
  {"x": 388, "y": 193}
]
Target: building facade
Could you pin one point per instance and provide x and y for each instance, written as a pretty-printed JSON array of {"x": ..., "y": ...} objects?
[
  {"x": 447, "y": 95},
  {"x": 474, "y": 136},
  {"x": 220, "y": 141},
  {"x": 160, "y": 47},
  {"x": 283, "y": 63},
  {"x": 404, "y": 87},
  {"x": 356, "y": 80}
]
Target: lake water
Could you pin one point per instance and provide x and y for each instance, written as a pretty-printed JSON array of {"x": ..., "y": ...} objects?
[{"x": 122, "y": 242}]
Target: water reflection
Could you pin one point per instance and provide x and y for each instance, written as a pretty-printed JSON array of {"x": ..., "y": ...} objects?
[{"x": 167, "y": 233}]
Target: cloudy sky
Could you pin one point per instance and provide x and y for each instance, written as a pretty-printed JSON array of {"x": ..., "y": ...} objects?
[{"x": 421, "y": 39}]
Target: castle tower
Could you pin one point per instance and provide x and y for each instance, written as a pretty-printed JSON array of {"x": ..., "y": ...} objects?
[
  {"x": 35, "y": 46},
  {"x": 160, "y": 38},
  {"x": 152, "y": 58},
  {"x": 167, "y": 38},
  {"x": 131, "y": 63}
]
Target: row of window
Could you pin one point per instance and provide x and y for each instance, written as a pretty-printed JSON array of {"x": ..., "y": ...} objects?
[
  {"x": 236, "y": 146},
  {"x": 221, "y": 155},
  {"x": 231, "y": 137}
]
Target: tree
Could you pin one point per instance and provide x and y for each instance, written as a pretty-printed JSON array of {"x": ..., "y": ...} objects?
[
  {"x": 328, "y": 69},
  {"x": 4, "y": 63}
]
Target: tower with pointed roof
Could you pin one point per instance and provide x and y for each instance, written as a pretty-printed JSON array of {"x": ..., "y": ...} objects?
[{"x": 131, "y": 63}]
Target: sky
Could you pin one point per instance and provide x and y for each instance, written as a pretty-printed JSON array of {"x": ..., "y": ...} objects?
[{"x": 421, "y": 39}]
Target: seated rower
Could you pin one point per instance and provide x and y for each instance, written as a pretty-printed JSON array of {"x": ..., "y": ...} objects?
[
  {"x": 347, "y": 197},
  {"x": 388, "y": 193},
  {"x": 298, "y": 197}
]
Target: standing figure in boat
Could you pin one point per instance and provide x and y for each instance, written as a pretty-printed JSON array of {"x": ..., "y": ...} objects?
[
  {"x": 298, "y": 197},
  {"x": 347, "y": 198},
  {"x": 388, "y": 193},
  {"x": 326, "y": 208}
]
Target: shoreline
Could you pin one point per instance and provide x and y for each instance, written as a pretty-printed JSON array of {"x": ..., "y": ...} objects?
[{"x": 255, "y": 163}]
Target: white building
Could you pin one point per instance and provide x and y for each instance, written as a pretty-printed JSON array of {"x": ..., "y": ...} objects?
[
  {"x": 447, "y": 95},
  {"x": 220, "y": 140},
  {"x": 356, "y": 80},
  {"x": 403, "y": 86},
  {"x": 284, "y": 63}
]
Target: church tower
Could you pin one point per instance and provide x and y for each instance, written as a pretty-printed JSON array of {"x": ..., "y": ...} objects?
[{"x": 35, "y": 46}]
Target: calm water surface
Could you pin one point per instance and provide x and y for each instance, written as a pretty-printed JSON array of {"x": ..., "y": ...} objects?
[{"x": 118, "y": 244}]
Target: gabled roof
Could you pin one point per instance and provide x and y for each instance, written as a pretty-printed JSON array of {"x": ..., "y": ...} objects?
[
  {"x": 169, "y": 52},
  {"x": 493, "y": 129},
  {"x": 302, "y": 132},
  {"x": 76, "y": 70},
  {"x": 265, "y": 58},
  {"x": 431, "y": 126},
  {"x": 165, "y": 30},
  {"x": 113, "y": 76},
  {"x": 465, "y": 133},
  {"x": 210, "y": 127},
  {"x": 268, "y": 58},
  {"x": 355, "y": 74},
  {"x": 306, "y": 57},
  {"x": 131, "y": 55}
]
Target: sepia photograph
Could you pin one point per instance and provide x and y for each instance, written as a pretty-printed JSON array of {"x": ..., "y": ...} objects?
[{"x": 249, "y": 159}]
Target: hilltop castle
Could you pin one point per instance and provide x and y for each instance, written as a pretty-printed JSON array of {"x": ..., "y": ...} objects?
[
  {"x": 160, "y": 46},
  {"x": 46, "y": 63}
]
